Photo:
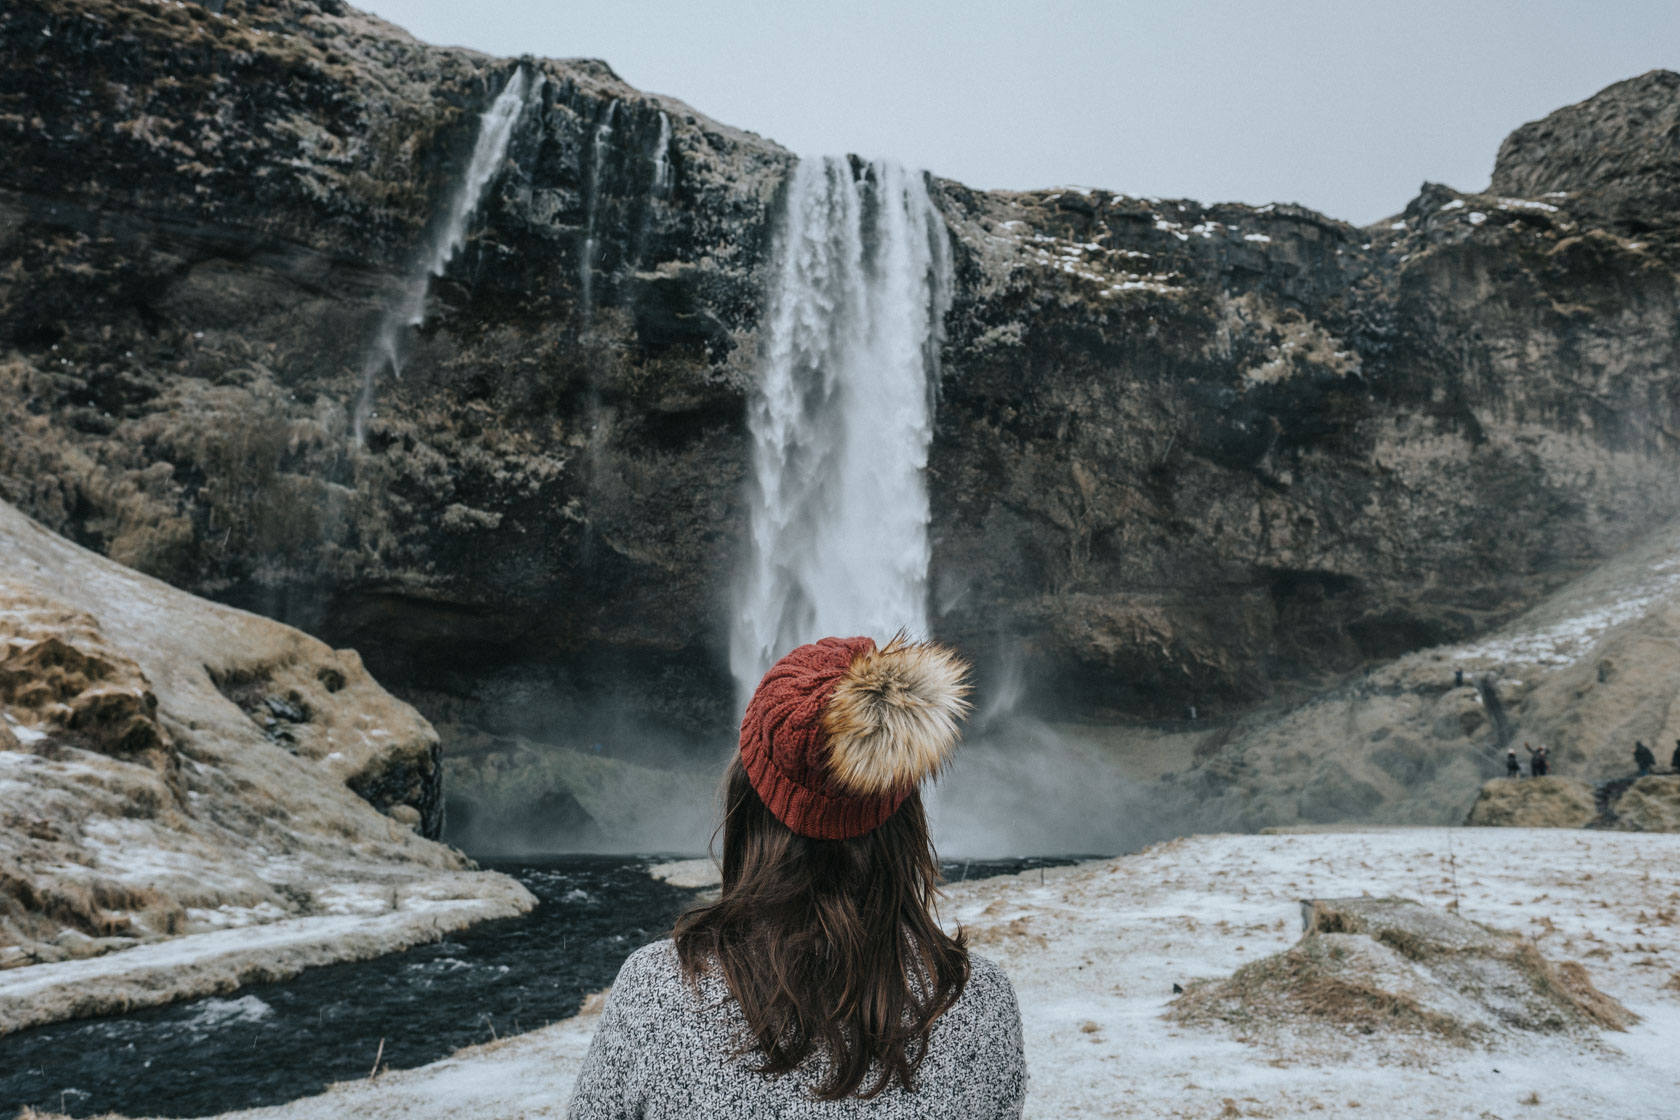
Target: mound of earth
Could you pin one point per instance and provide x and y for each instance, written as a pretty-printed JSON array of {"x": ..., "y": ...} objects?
[
  {"x": 1392, "y": 966},
  {"x": 1548, "y": 802},
  {"x": 1652, "y": 804},
  {"x": 174, "y": 773}
]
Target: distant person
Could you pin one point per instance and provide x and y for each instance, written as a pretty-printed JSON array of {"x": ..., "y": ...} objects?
[
  {"x": 820, "y": 982},
  {"x": 1536, "y": 761},
  {"x": 1545, "y": 761},
  {"x": 1674, "y": 762},
  {"x": 1458, "y": 678},
  {"x": 1643, "y": 758},
  {"x": 1512, "y": 768}
]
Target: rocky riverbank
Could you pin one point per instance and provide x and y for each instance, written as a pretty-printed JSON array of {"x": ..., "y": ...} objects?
[
  {"x": 1095, "y": 951},
  {"x": 193, "y": 797}
]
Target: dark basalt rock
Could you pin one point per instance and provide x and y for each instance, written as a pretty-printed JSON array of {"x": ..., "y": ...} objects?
[
  {"x": 1184, "y": 454},
  {"x": 416, "y": 781},
  {"x": 1615, "y": 156}
]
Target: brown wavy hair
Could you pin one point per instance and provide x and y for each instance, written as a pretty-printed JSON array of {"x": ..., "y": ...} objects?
[{"x": 829, "y": 946}]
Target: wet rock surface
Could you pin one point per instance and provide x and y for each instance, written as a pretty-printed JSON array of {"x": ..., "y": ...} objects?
[
  {"x": 1185, "y": 455},
  {"x": 558, "y": 467}
]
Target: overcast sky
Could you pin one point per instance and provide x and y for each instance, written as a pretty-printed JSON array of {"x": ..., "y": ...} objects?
[{"x": 1344, "y": 106}]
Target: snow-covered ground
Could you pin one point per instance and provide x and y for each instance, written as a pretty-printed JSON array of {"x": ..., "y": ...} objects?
[{"x": 1094, "y": 951}]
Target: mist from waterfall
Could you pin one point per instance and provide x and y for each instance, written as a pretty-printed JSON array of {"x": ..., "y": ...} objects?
[
  {"x": 842, "y": 414},
  {"x": 495, "y": 130}
]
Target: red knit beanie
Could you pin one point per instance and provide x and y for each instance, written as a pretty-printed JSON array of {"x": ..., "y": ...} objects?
[{"x": 840, "y": 732}]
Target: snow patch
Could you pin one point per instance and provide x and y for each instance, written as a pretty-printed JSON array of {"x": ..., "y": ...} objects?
[{"x": 28, "y": 736}]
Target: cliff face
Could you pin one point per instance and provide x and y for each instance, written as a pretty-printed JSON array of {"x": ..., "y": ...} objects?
[
  {"x": 1184, "y": 454},
  {"x": 205, "y": 216},
  {"x": 1187, "y": 451}
]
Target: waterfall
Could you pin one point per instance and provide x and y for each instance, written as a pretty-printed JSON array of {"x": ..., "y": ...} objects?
[
  {"x": 599, "y": 146},
  {"x": 662, "y": 172},
  {"x": 495, "y": 129},
  {"x": 842, "y": 414}
]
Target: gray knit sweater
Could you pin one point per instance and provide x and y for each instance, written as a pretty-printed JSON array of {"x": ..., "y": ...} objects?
[{"x": 662, "y": 1051}]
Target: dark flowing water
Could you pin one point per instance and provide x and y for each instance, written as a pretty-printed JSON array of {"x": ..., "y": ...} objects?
[{"x": 270, "y": 1043}]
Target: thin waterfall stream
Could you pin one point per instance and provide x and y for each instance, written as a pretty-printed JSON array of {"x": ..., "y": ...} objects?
[
  {"x": 600, "y": 145},
  {"x": 408, "y": 311}
]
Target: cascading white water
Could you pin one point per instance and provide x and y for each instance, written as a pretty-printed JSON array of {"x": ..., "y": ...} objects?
[
  {"x": 598, "y": 148},
  {"x": 842, "y": 415},
  {"x": 495, "y": 130},
  {"x": 662, "y": 170}
]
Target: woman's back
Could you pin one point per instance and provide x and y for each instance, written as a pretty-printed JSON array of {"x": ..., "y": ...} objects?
[
  {"x": 820, "y": 981},
  {"x": 665, "y": 1050}
]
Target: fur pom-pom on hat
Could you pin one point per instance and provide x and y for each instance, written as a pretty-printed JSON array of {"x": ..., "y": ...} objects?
[
  {"x": 841, "y": 731},
  {"x": 892, "y": 720}
]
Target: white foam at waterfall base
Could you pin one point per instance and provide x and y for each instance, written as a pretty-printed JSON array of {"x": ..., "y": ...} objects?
[
  {"x": 841, "y": 418},
  {"x": 495, "y": 130}
]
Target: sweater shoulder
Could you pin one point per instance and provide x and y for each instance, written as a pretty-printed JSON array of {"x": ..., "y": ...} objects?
[
  {"x": 988, "y": 983},
  {"x": 649, "y": 969},
  {"x": 654, "y": 961},
  {"x": 651, "y": 981}
]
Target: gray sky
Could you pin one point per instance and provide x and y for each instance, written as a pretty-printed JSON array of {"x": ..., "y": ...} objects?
[{"x": 1343, "y": 106}]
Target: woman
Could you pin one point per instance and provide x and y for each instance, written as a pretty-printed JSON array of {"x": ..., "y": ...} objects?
[{"x": 820, "y": 983}]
